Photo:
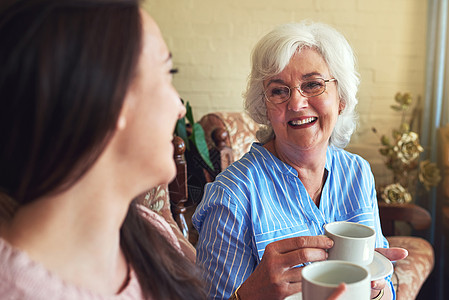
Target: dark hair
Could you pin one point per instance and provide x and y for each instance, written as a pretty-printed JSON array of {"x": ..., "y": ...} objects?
[{"x": 65, "y": 69}]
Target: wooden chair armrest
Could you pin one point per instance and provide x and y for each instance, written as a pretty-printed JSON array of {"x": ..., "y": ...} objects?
[{"x": 416, "y": 216}]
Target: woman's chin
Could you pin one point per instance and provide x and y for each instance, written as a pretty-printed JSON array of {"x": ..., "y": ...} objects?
[
  {"x": 163, "y": 175},
  {"x": 168, "y": 174}
]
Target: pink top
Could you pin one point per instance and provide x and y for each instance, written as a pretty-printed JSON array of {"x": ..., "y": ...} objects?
[{"x": 23, "y": 278}]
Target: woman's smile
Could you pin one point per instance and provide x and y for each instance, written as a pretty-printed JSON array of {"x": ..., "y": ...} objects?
[{"x": 302, "y": 122}]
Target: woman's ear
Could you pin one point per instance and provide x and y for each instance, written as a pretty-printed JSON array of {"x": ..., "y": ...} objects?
[
  {"x": 122, "y": 118},
  {"x": 341, "y": 106},
  {"x": 121, "y": 122}
]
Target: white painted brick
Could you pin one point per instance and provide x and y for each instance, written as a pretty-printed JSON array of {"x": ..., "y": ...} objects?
[{"x": 212, "y": 40}]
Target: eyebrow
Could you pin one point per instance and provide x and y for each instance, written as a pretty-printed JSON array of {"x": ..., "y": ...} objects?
[{"x": 305, "y": 76}]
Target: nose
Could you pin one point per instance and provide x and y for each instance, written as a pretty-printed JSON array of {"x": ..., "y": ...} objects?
[
  {"x": 297, "y": 101},
  {"x": 181, "y": 110}
]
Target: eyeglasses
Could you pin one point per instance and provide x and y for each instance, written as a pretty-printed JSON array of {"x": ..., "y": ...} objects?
[{"x": 278, "y": 93}]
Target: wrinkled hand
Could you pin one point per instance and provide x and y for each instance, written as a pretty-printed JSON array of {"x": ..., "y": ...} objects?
[
  {"x": 275, "y": 277},
  {"x": 392, "y": 254}
]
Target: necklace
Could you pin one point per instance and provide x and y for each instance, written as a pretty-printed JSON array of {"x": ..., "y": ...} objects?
[
  {"x": 316, "y": 197},
  {"x": 317, "y": 193}
]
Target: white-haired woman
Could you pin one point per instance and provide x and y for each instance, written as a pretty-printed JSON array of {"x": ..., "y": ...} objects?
[{"x": 263, "y": 215}]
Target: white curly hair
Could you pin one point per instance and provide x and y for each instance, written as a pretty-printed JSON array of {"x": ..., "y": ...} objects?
[{"x": 273, "y": 53}]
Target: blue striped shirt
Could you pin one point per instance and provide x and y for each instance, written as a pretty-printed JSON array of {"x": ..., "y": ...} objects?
[{"x": 259, "y": 199}]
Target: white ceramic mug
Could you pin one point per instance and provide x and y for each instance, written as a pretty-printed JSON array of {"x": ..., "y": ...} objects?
[
  {"x": 320, "y": 279},
  {"x": 352, "y": 242}
]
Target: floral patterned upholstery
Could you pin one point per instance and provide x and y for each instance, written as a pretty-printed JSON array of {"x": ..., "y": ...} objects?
[
  {"x": 409, "y": 274},
  {"x": 158, "y": 200},
  {"x": 241, "y": 128}
]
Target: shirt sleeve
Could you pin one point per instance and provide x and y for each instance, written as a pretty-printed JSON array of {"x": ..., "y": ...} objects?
[
  {"x": 224, "y": 251},
  {"x": 381, "y": 241}
]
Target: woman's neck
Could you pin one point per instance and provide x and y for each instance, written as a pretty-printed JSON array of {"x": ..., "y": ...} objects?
[
  {"x": 310, "y": 165},
  {"x": 75, "y": 234}
]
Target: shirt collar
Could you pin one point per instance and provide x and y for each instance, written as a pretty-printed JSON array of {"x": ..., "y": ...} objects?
[{"x": 259, "y": 150}]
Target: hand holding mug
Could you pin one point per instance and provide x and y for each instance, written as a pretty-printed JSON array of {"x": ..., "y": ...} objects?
[
  {"x": 276, "y": 276},
  {"x": 393, "y": 254}
]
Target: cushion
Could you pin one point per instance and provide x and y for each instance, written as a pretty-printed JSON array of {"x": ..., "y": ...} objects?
[
  {"x": 411, "y": 272},
  {"x": 241, "y": 128},
  {"x": 157, "y": 199}
]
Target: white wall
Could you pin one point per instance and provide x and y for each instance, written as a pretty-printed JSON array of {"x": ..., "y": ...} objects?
[{"x": 211, "y": 42}]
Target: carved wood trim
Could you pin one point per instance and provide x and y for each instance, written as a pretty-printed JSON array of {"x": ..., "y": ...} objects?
[{"x": 178, "y": 187}]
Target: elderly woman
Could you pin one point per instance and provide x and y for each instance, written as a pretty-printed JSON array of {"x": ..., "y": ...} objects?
[{"x": 263, "y": 214}]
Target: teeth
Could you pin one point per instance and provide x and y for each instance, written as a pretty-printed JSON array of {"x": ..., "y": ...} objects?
[{"x": 304, "y": 121}]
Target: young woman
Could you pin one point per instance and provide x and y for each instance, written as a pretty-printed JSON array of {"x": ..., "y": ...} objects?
[{"x": 86, "y": 121}]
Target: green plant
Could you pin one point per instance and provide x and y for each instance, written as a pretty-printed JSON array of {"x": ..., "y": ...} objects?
[
  {"x": 196, "y": 137},
  {"x": 402, "y": 158}
]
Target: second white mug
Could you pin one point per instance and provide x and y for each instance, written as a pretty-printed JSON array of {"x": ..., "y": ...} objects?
[{"x": 320, "y": 279}]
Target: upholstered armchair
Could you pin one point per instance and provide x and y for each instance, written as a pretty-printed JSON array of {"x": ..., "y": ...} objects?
[
  {"x": 234, "y": 132},
  {"x": 410, "y": 273}
]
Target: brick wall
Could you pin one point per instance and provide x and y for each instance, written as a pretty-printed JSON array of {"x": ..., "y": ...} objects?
[{"x": 211, "y": 42}]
